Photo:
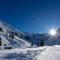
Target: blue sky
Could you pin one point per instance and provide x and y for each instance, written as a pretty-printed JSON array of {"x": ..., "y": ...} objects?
[{"x": 31, "y": 15}]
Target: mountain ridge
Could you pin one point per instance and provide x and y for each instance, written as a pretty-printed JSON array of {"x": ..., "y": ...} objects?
[{"x": 24, "y": 39}]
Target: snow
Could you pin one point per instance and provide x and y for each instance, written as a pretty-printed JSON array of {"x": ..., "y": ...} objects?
[
  {"x": 27, "y": 53},
  {"x": 22, "y": 49},
  {"x": 39, "y": 53},
  {"x": 51, "y": 53}
]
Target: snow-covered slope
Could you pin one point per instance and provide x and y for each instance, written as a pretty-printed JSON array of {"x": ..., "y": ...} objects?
[
  {"x": 10, "y": 36},
  {"x": 51, "y": 53},
  {"x": 40, "y": 53},
  {"x": 15, "y": 45}
]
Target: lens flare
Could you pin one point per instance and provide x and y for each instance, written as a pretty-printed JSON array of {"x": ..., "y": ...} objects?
[{"x": 52, "y": 32}]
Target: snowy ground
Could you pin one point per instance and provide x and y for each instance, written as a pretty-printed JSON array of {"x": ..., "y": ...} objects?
[
  {"x": 39, "y": 53},
  {"x": 51, "y": 53}
]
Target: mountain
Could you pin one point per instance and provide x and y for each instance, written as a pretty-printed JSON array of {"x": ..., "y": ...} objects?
[
  {"x": 10, "y": 37},
  {"x": 13, "y": 38},
  {"x": 17, "y": 45}
]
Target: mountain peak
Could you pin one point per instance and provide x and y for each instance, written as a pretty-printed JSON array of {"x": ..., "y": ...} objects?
[{"x": 7, "y": 26}]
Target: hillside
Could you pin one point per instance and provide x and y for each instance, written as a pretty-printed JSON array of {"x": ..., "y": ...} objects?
[{"x": 17, "y": 45}]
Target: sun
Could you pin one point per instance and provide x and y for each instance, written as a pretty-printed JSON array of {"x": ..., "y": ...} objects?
[{"x": 52, "y": 32}]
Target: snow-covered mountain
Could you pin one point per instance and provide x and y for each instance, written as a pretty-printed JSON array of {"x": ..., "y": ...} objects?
[
  {"x": 10, "y": 37},
  {"x": 13, "y": 38},
  {"x": 17, "y": 45}
]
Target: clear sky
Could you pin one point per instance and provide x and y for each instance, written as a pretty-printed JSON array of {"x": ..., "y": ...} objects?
[{"x": 31, "y": 15}]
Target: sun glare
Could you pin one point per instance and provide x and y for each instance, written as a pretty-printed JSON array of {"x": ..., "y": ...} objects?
[{"x": 52, "y": 32}]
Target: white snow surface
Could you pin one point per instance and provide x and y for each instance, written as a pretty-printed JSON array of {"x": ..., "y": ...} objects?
[
  {"x": 51, "y": 53},
  {"x": 39, "y": 53}
]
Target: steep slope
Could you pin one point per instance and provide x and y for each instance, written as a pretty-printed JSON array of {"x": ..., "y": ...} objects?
[{"x": 9, "y": 37}]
